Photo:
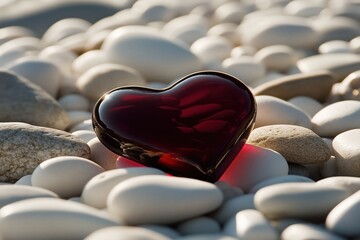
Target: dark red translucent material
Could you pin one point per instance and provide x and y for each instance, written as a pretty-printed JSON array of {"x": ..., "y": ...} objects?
[{"x": 194, "y": 128}]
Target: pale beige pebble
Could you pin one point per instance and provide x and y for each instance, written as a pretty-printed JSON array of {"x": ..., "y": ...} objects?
[
  {"x": 305, "y": 9},
  {"x": 347, "y": 152},
  {"x": 162, "y": 199},
  {"x": 187, "y": 28},
  {"x": 95, "y": 41},
  {"x": 64, "y": 28},
  {"x": 138, "y": 46},
  {"x": 296, "y": 144},
  {"x": 66, "y": 175},
  {"x": 78, "y": 116},
  {"x": 85, "y": 135},
  {"x": 340, "y": 64},
  {"x": 27, "y": 44},
  {"x": 199, "y": 225},
  {"x": 25, "y": 180},
  {"x": 343, "y": 218},
  {"x": 281, "y": 224},
  {"x": 212, "y": 48},
  {"x": 329, "y": 169},
  {"x": 97, "y": 189},
  {"x": 101, "y": 154},
  {"x": 156, "y": 24},
  {"x": 349, "y": 88},
  {"x": 40, "y": 72},
  {"x": 243, "y": 50},
  {"x": 316, "y": 85},
  {"x": 68, "y": 86},
  {"x": 274, "y": 30},
  {"x": 102, "y": 78},
  {"x": 207, "y": 237},
  {"x": 298, "y": 169},
  {"x": 279, "y": 180},
  {"x": 88, "y": 60},
  {"x": 206, "y": 10},
  {"x": 84, "y": 125},
  {"x": 75, "y": 43},
  {"x": 75, "y": 199},
  {"x": 23, "y": 147},
  {"x": 126, "y": 232},
  {"x": 277, "y": 57},
  {"x": 355, "y": 44},
  {"x": 306, "y": 231},
  {"x": 253, "y": 165},
  {"x": 162, "y": 229},
  {"x": 352, "y": 184},
  {"x": 63, "y": 219},
  {"x": 14, "y": 193},
  {"x": 264, "y": 4},
  {"x": 246, "y": 68},
  {"x": 250, "y": 224},
  {"x": 335, "y": 46},
  {"x": 61, "y": 57},
  {"x": 74, "y": 102},
  {"x": 230, "y": 207},
  {"x": 229, "y": 191},
  {"x": 269, "y": 77},
  {"x": 336, "y": 28},
  {"x": 226, "y": 30},
  {"x": 309, "y": 105},
  {"x": 337, "y": 118},
  {"x": 12, "y": 32},
  {"x": 272, "y": 110},
  {"x": 151, "y": 11},
  {"x": 308, "y": 201},
  {"x": 230, "y": 12},
  {"x": 7, "y": 57}
]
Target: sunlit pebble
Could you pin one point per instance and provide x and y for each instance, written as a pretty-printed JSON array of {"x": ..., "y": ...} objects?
[
  {"x": 335, "y": 46},
  {"x": 88, "y": 60}
]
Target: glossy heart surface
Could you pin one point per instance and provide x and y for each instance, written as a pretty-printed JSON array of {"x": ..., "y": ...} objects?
[{"x": 194, "y": 128}]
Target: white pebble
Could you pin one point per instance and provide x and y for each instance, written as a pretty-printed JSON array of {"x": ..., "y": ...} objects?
[
  {"x": 307, "y": 104},
  {"x": 199, "y": 225},
  {"x": 96, "y": 190},
  {"x": 101, "y": 154},
  {"x": 335, "y": 46},
  {"x": 88, "y": 60},
  {"x": 84, "y": 135},
  {"x": 61, "y": 57},
  {"x": 74, "y": 102},
  {"x": 84, "y": 125},
  {"x": 65, "y": 175},
  {"x": 162, "y": 229},
  {"x": 162, "y": 199},
  {"x": 279, "y": 180},
  {"x": 306, "y": 231},
  {"x": 125, "y": 232},
  {"x": 277, "y": 57},
  {"x": 253, "y": 165},
  {"x": 211, "y": 48},
  {"x": 352, "y": 184},
  {"x": 77, "y": 117},
  {"x": 25, "y": 180}
]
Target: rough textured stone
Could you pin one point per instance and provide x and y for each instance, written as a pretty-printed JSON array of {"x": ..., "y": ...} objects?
[
  {"x": 23, "y": 147},
  {"x": 296, "y": 144},
  {"x": 315, "y": 85},
  {"x": 23, "y": 101}
]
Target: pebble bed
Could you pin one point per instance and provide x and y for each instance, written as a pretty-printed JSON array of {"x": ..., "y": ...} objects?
[{"x": 298, "y": 176}]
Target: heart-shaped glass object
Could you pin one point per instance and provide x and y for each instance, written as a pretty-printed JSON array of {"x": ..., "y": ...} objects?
[{"x": 194, "y": 128}]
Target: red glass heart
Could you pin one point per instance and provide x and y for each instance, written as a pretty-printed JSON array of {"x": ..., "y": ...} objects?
[{"x": 194, "y": 128}]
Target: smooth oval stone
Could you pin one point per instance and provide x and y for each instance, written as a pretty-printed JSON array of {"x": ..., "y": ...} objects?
[
  {"x": 12, "y": 32},
  {"x": 229, "y": 208},
  {"x": 152, "y": 11},
  {"x": 340, "y": 64},
  {"x": 65, "y": 175},
  {"x": 246, "y": 169},
  {"x": 355, "y": 44},
  {"x": 230, "y": 12},
  {"x": 25, "y": 180},
  {"x": 77, "y": 117},
  {"x": 277, "y": 57},
  {"x": 279, "y": 180},
  {"x": 27, "y": 44},
  {"x": 42, "y": 73},
  {"x": 337, "y": 118},
  {"x": 304, "y": 9},
  {"x": 162, "y": 229},
  {"x": 89, "y": 60},
  {"x": 243, "y": 50},
  {"x": 102, "y": 78},
  {"x": 101, "y": 154},
  {"x": 96, "y": 190},
  {"x": 61, "y": 57},
  {"x": 162, "y": 199},
  {"x": 246, "y": 68},
  {"x": 250, "y": 224},
  {"x": 343, "y": 218},
  {"x": 228, "y": 191},
  {"x": 74, "y": 102},
  {"x": 207, "y": 237},
  {"x": 307, "y": 104},
  {"x": 335, "y": 46},
  {"x": 279, "y": 30},
  {"x": 137, "y": 47},
  {"x": 305, "y": 231},
  {"x": 347, "y": 152},
  {"x": 212, "y": 48},
  {"x": 122, "y": 162},
  {"x": 352, "y": 184},
  {"x": 350, "y": 87},
  {"x": 281, "y": 224},
  {"x": 126, "y": 232},
  {"x": 14, "y": 193},
  {"x": 296, "y": 144},
  {"x": 84, "y": 125},
  {"x": 199, "y": 225},
  {"x": 63, "y": 219},
  {"x": 226, "y": 30},
  {"x": 298, "y": 200},
  {"x": 272, "y": 110},
  {"x": 30, "y": 145},
  {"x": 85, "y": 135},
  {"x": 316, "y": 85}
]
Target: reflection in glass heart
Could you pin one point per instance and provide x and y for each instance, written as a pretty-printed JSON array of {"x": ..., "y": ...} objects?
[{"x": 194, "y": 128}]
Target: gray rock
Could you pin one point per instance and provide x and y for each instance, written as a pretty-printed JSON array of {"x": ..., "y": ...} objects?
[
  {"x": 23, "y": 147},
  {"x": 23, "y": 101}
]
